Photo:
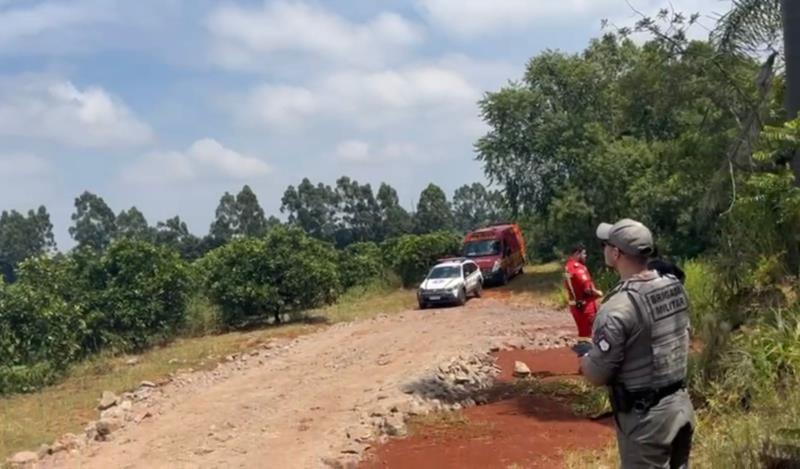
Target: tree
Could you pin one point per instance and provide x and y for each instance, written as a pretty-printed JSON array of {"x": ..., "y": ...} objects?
[
  {"x": 635, "y": 130},
  {"x": 395, "y": 220},
  {"x": 225, "y": 224},
  {"x": 285, "y": 272},
  {"x": 433, "y": 211},
  {"x": 474, "y": 206},
  {"x": 360, "y": 217},
  {"x": 251, "y": 220},
  {"x": 312, "y": 208},
  {"x": 238, "y": 216},
  {"x": 791, "y": 35},
  {"x": 94, "y": 223},
  {"x": 174, "y": 234},
  {"x": 22, "y": 237},
  {"x": 131, "y": 224}
]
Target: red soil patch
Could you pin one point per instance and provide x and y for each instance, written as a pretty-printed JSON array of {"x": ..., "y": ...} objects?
[
  {"x": 543, "y": 363},
  {"x": 529, "y": 431}
]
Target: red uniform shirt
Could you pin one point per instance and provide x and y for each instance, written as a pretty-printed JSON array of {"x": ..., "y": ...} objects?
[{"x": 578, "y": 282}]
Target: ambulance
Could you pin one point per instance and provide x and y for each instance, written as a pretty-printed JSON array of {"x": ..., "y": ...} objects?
[{"x": 499, "y": 251}]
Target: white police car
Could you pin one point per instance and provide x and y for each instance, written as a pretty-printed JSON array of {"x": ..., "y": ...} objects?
[{"x": 450, "y": 282}]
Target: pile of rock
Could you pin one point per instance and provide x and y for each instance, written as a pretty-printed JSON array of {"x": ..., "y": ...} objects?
[
  {"x": 463, "y": 381},
  {"x": 115, "y": 413}
]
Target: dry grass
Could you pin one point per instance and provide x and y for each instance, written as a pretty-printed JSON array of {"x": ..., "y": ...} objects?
[
  {"x": 367, "y": 302},
  {"x": 540, "y": 285},
  {"x": 28, "y": 420},
  {"x": 437, "y": 422},
  {"x": 606, "y": 458}
]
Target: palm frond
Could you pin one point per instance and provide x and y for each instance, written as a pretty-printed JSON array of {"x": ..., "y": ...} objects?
[{"x": 751, "y": 27}]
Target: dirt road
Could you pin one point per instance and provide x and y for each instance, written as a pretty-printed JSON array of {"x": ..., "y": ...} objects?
[{"x": 313, "y": 402}]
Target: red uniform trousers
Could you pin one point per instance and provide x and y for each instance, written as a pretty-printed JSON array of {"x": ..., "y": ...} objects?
[{"x": 584, "y": 317}]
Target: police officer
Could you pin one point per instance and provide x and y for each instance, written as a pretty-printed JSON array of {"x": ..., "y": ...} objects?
[{"x": 640, "y": 346}]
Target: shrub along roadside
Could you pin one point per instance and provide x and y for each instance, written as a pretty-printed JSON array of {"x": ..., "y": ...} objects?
[
  {"x": 412, "y": 255},
  {"x": 286, "y": 272},
  {"x": 66, "y": 308}
]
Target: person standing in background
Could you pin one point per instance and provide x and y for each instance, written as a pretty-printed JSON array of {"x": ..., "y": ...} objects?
[{"x": 581, "y": 292}]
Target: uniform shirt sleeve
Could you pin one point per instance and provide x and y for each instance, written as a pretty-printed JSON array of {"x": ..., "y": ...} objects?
[{"x": 610, "y": 333}]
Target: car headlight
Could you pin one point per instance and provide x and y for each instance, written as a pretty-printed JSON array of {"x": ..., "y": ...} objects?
[
  {"x": 496, "y": 266},
  {"x": 455, "y": 291}
]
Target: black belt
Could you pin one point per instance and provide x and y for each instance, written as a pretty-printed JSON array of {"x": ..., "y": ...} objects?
[{"x": 646, "y": 399}]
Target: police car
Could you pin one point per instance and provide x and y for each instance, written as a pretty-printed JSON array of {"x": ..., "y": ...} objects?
[{"x": 450, "y": 281}]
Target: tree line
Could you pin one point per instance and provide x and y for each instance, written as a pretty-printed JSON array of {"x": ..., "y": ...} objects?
[{"x": 343, "y": 214}]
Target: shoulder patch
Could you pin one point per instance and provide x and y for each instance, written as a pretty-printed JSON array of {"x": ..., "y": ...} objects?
[{"x": 603, "y": 345}]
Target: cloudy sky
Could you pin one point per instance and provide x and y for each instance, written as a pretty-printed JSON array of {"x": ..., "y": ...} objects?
[{"x": 166, "y": 104}]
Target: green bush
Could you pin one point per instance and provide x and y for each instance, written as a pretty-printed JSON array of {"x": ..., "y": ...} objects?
[
  {"x": 284, "y": 273},
  {"x": 145, "y": 289},
  {"x": 361, "y": 264},
  {"x": 702, "y": 288},
  {"x": 759, "y": 362},
  {"x": 40, "y": 333},
  {"x": 413, "y": 255}
]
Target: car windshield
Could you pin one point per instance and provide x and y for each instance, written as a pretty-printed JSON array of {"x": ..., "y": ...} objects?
[
  {"x": 489, "y": 247},
  {"x": 445, "y": 272}
]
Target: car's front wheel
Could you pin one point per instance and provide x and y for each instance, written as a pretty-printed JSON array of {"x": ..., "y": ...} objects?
[
  {"x": 461, "y": 298},
  {"x": 479, "y": 290}
]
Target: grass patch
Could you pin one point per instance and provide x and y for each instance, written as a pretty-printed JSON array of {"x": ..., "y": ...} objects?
[
  {"x": 606, "y": 458},
  {"x": 584, "y": 399},
  {"x": 540, "y": 284},
  {"x": 368, "y": 301},
  {"x": 438, "y": 422},
  {"x": 28, "y": 420}
]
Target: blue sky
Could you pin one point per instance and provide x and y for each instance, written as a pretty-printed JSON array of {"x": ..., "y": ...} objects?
[{"x": 166, "y": 104}]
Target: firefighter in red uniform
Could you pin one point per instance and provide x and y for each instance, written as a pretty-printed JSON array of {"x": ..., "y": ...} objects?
[{"x": 581, "y": 292}]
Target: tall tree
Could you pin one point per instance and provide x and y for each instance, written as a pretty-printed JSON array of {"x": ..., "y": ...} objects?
[
  {"x": 791, "y": 37},
  {"x": 433, "y": 211},
  {"x": 475, "y": 206},
  {"x": 250, "y": 216},
  {"x": 395, "y": 220},
  {"x": 94, "y": 224},
  {"x": 360, "y": 217},
  {"x": 22, "y": 237},
  {"x": 225, "y": 223},
  {"x": 312, "y": 208},
  {"x": 132, "y": 224},
  {"x": 175, "y": 234}
]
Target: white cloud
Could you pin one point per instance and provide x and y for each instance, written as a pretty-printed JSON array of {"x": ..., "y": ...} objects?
[
  {"x": 60, "y": 112},
  {"x": 279, "y": 106},
  {"x": 465, "y": 18},
  {"x": 31, "y": 20},
  {"x": 362, "y": 153},
  {"x": 354, "y": 151},
  {"x": 204, "y": 158},
  {"x": 22, "y": 165},
  {"x": 476, "y": 17},
  {"x": 245, "y": 37},
  {"x": 360, "y": 98},
  {"x": 223, "y": 160}
]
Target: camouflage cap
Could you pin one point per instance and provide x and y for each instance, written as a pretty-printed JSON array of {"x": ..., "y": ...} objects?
[{"x": 630, "y": 236}]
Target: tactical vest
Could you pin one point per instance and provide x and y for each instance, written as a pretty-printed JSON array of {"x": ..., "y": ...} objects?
[{"x": 657, "y": 350}]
